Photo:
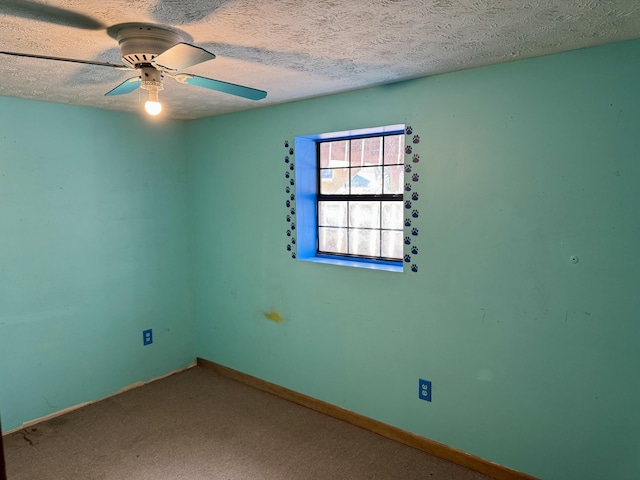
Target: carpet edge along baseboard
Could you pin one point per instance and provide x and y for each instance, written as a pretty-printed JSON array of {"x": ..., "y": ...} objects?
[{"x": 432, "y": 447}]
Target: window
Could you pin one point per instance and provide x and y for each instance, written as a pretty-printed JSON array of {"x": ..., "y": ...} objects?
[
  {"x": 350, "y": 197},
  {"x": 360, "y": 183}
]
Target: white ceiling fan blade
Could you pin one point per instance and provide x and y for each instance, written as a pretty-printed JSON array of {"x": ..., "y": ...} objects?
[
  {"x": 181, "y": 56},
  {"x": 71, "y": 60},
  {"x": 50, "y": 14},
  {"x": 128, "y": 86}
]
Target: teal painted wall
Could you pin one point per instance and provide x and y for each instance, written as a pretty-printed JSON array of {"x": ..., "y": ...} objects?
[
  {"x": 94, "y": 248},
  {"x": 534, "y": 359}
]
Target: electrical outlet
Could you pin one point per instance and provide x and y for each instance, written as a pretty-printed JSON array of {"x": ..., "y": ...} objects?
[
  {"x": 147, "y": 337},
  {"x": 424, "y": 389}
]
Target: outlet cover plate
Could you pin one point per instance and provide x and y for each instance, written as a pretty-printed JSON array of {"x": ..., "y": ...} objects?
[
  {"x": 147, "y": 337},
  {"x": 424, "y": 389}
]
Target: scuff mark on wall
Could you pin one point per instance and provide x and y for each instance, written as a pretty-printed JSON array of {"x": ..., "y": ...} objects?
[{"x": 274, "y": 316}]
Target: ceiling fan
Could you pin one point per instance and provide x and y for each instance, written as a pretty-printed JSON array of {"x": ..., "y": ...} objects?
[{"x": 155, "y": 52}]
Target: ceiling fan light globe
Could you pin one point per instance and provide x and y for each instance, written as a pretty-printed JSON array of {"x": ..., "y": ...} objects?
[{"x": 153, "y": 108}]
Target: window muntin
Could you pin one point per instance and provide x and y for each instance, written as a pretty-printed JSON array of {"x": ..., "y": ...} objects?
[{"x": 359, "y": 201}]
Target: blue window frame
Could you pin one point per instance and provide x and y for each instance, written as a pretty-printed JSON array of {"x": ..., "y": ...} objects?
[{"x": 349, "y": 197}]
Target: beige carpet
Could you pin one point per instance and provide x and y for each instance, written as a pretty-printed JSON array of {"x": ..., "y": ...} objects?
[{"x": 198, "y": 425}]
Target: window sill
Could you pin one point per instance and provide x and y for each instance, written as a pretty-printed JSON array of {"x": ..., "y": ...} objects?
[{"x": 349, "y": 262}]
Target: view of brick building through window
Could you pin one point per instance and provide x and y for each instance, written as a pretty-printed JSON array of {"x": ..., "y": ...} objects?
[{"x": 360, "y": 186}]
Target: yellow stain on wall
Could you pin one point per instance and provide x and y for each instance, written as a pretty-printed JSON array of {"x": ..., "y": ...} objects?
[{"x": 274, "y": 316}]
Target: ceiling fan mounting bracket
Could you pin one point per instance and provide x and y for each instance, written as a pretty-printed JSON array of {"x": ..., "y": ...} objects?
[{"x": 141, "y": 43}]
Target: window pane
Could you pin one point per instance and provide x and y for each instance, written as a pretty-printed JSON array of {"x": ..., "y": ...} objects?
[
  {"x": 334, "y": 181},
  {"x": 392, "y": 244},
  {"x": 372, "y": 154},
  {"x": 393, "y": 179},
  {"x": 357, "y": 152},
  {"x": 332, "y": 240},
  {"x": 394, "y": 149},
  {"x": 392, "y": 215},
  {"x": 365, "y": 181},
  {"x": 364, "y": 242},
  {"x": 364, "y": 214},
  {"x": 334, "y": 214},
  {"x": 324, "y": 155},
  {"x": 334, "y": 154}
]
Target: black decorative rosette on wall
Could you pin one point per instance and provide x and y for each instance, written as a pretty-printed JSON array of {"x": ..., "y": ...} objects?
[
  {"x": 290, "y": 198},
  {"x": 411, "y": 196}
]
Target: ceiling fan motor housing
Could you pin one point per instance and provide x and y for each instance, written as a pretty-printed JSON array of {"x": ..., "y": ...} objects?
[{"x": 140, "y": 44}]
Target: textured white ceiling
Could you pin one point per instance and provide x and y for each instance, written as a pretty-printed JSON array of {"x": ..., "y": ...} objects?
[{"x": 293, "y": 49}]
